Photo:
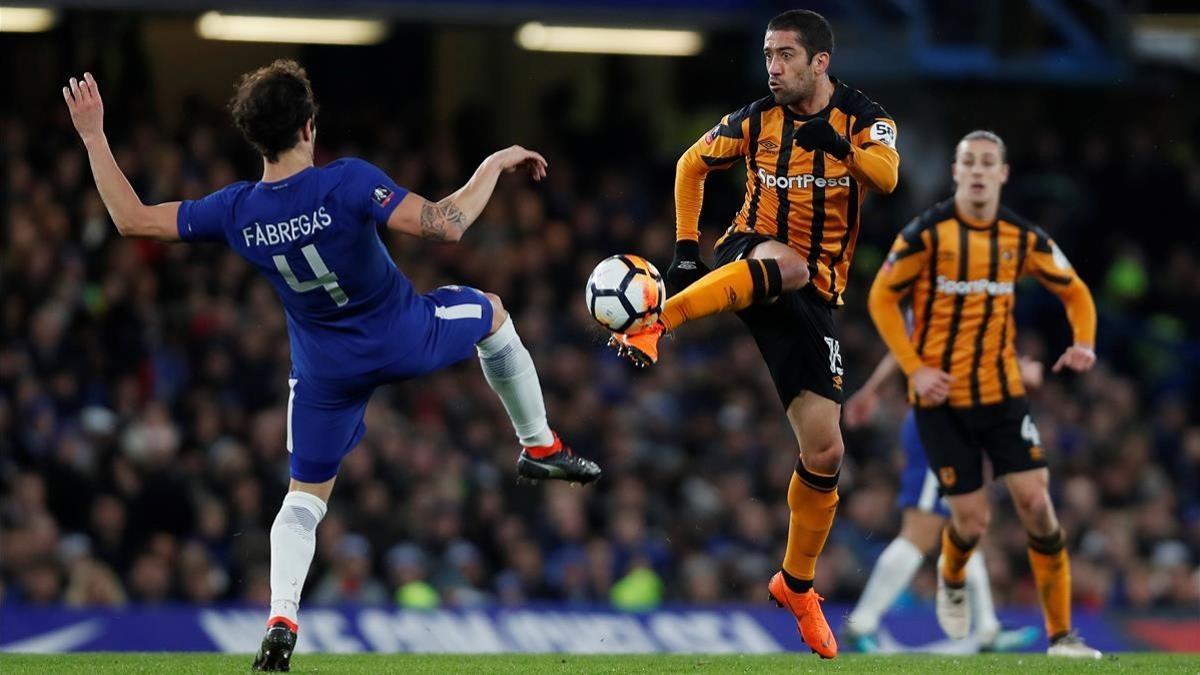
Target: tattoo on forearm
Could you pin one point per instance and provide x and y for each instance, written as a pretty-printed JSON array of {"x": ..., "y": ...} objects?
[{"x": 442, "y": 221}]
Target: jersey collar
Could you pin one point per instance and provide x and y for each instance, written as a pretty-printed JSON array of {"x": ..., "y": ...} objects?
[
  {"x": 973, "y": 223},
  {"x": 834, "y": 99},
  {"x": 284, "y": 182}
]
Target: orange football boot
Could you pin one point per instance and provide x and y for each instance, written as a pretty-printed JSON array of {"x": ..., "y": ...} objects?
[
  {"x": 640, "y": 347},
  {"x": 810, "y": 620}
]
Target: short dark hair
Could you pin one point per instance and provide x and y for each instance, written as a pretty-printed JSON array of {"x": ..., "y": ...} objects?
[
  {"x": 813, "y": 31},
  {"x": 272, "y": 105},
  {"x": 985, "y": 135}
]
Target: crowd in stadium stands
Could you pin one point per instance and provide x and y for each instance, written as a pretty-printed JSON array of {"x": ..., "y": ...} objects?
[{"x": 143, "y": 397}]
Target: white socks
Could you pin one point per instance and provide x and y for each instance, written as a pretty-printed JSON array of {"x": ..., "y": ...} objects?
[
  {"x": 979, "y": 588},
  {"x": 509, "y": 369},
  {"x": 894, "y": 571},
  {"x": 892, "y": 574},
  {"x": 293, "y": 542}
]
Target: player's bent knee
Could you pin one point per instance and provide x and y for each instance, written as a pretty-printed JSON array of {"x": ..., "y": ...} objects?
[
  {"x": 499, "y": 314},
  {"x": 971, "y": 524},
  {"x": 826, "y": 460},
  {"x": 1034, "y": 504},
  {"x": 977, "y": 524},
  {"x": 793, "y": 271},
  {"x": 322, "y": 490}
]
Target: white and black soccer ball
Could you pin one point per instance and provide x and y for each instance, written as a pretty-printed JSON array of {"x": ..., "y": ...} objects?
[{"x": 625, "y": 293}]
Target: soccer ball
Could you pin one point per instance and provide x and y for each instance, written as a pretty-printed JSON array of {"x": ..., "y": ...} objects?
[{"x": 625, "y": 293}]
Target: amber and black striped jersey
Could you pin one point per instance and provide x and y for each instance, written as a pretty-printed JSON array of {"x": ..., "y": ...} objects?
[
  {"x": 960, "y": 276},
  {"x": 808, "y": 200}
]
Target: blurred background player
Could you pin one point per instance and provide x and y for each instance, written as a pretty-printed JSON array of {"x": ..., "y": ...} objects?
[
  {"x": 354, "y": 321},
  {"x": 923, "y": 515},
  {"x": 959, "y": 263},
  {"x": 813, "y": 149}
]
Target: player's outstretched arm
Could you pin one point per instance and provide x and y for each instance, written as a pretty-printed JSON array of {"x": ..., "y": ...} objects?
[
  {"x": 876, "y": 166},
  {"x": 908, "y": 258},
  {"x": 931, "y": 384},
  {"x": 448, "y": 219},
  {"x": 718, "y": 149},
  {"x": 686, "y": 265},
  {"x": 870, "y": 155},
  {"x": 129, "y": 214},
  {"x": 1051, "y": 268},
  {"x": 873, "y": 158}
]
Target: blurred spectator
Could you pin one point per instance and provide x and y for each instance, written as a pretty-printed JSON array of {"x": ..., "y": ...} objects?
[
  {"x": 150, "y": 579},
  {"x": 350, "y": 580},
  {"x": 463, "y": 575},
  {"x": 93, "y": 584},
  {"x": 407, "y": 569}
]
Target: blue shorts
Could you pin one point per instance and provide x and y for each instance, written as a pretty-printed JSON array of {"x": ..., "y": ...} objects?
[
  {"x": 918, "y": 485},
  {"x": 325, "y": 416}
]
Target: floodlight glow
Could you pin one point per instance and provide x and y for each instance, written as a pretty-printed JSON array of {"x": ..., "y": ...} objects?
[
  {"x": 304, "y": 30},
  {"x": 591, "y": 40},
  {"x": 27, "y": 19}
]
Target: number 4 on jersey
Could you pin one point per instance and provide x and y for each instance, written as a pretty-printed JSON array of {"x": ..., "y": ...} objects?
[
  {"x": 325, "y": 278},
  {"x": 1029, "y": 431}
]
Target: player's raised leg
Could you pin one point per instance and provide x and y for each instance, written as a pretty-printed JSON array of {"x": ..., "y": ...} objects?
[
  {"x": 1049, "y": 560},
  {"x": 509, "y": 370},
  {"x": 812, "y": 500},
  {"x": 772, "y": 269},
  {"x": 293, "y": 542}
]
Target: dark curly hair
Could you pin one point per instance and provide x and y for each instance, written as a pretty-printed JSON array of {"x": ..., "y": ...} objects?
[{"x": 272, "y": 105}]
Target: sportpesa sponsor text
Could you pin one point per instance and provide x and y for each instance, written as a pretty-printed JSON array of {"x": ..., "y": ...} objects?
[
  {"x": 804, "y": 181},
  {"x": 952, "y": 287}
]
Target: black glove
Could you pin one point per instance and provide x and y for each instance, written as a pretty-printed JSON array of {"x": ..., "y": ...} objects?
[
  {"x": 686, "y": 266},
  {"x": 819, "y": 135}
]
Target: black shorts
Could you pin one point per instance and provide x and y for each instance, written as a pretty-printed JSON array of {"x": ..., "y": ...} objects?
[
  {"x": 795, "y": 333},
  {"x": 955, "y": 440}
]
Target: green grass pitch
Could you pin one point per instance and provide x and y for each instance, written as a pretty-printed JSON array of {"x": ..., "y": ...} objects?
[{"x": 530, "y": 664}]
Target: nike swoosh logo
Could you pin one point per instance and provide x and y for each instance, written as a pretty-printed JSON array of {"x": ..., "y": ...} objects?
[{"x": 66, "y": 639}]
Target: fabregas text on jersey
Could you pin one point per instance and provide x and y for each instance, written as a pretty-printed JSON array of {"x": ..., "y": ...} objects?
[{"x": 289, "y": 230}]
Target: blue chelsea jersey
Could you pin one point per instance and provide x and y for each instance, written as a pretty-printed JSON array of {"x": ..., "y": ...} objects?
[{"x": 314, "y": 236}]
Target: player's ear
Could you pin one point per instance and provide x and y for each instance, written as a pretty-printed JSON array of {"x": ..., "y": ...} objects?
[
  {"x": 820, "y": 62},
  {"x": 1004, "y": 173}
]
